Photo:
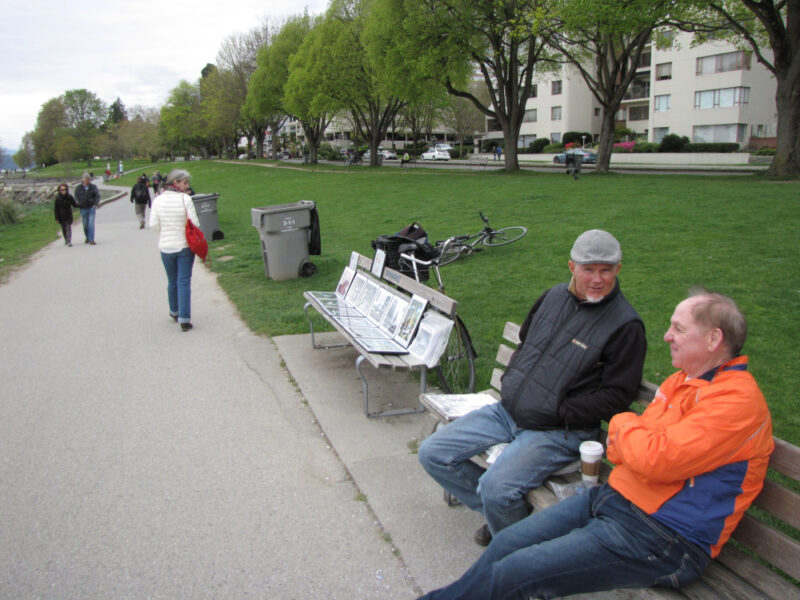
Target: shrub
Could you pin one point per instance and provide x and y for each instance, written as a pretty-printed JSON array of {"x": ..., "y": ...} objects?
[
  {"x": 673, "y": 143},
  {"x": 9, "y": 212},
  {"x": 553, "y": 148},
  {"x": 646, "y": 147},
  {"x": 328, "y": 152},
  {"x": 711, "y": 147},
  {"x": 765, "y": 152},
  {"x": 621, "y": 133},
  {"x": 576, "y": 137},
  {"x": 623, "y": 147},
  {"x": 537, "y": 145}
]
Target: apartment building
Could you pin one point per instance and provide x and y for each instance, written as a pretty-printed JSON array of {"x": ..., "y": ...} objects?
[{"x": 713, "y": 92}]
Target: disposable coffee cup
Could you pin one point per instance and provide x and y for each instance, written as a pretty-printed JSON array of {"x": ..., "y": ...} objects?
[{"x": 591, "y": 453}]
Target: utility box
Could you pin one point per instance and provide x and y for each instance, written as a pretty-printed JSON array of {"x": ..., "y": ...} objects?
[
  {"x": 205, "y": 205},
  {"x": 284, "y": 232}
]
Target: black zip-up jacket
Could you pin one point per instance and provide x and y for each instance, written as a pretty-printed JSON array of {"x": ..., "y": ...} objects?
[
  {"x": 87, "y": 197},
  {"x": 63, "y": 207},
  {"x": 602, "y": 389}
]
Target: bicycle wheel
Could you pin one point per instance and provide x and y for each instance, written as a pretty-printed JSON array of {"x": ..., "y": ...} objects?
[
  {"x": 505, "y": 235},
  {"x": 456, "y": 368},
  {"x": 452, "y": 252}
]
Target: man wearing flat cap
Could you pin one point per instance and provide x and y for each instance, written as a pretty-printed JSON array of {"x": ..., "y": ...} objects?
[{"x": 579, "y": 362}]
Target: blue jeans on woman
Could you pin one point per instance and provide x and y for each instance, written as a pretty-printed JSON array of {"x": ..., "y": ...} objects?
[
  {"x": 87, "y": 216},
  {"x": 499, "y": 492},
  {"x": 178, "y": 266},
  {"x": 592, "y": 542}
]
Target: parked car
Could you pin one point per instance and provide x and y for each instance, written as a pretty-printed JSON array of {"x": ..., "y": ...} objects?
[
  {"x": 434, "y": 154},
  {"x": 586, "y": 157},
  {"x": 389, "y": 154},
  {"x": 447, "y": 147}
]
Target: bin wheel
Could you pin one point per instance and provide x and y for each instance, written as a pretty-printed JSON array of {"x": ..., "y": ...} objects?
[{"x": 308, "y": 269}]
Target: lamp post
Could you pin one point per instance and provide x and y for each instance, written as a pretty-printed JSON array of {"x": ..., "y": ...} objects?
[{"x": 583, "y": 141}]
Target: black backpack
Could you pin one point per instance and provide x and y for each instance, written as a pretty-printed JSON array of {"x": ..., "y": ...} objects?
[
  {"x": 141, "y": 193},
  {"x": 409, "y": 240}
]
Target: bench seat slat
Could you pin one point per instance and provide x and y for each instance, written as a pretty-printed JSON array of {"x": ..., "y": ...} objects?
[
  {"x": 749, "y": 569},
  {"x": 718, "y": 582},
  {"x": 770, "y": 544}
]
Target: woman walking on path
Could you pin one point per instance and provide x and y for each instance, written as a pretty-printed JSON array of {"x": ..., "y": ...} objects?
[
  {"x": 168, "y": 217},
  {"x": 63, "y": 209}
]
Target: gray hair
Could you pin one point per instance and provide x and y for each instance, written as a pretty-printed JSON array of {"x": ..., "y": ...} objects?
[
  {"x": 178, "y": 175},
  {"x": 716, "y": 311},
  {"x": 85, "y": 175}
]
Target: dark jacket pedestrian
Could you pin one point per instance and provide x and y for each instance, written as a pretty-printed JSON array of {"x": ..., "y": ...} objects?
[
  {"x": 140, "y": 194},
  {"x": 63, "y": 206},
  {"x": 88, "y": 198}
]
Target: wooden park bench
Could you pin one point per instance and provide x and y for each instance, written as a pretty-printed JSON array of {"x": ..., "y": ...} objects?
[
  {"x": 396, "y": 284},
  {"x": 748, "y": 566},
  {"x": 477, "y": 161}
]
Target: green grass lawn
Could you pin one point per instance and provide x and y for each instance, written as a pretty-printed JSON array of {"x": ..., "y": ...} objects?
[{"x": 735, "y": 235}]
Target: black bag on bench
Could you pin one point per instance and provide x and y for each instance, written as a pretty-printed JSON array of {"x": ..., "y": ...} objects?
[{"x": 409, "y": 240}]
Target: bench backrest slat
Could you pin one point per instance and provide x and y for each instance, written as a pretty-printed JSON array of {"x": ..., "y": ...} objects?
[
  {"x": 771, "y": 545},
  {"x": 436, "y": 299}
]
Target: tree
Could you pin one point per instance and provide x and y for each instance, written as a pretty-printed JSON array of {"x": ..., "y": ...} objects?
[
  {"x": 349, "y": 72},
  {"x": 116, "y": 113},
  {"x": 771, "y": 29},
  {"x": 304, "y": 98},
  {"x": 265, "y": 90},
  {"x": 52, "y": 117},
  {"x": 85, "y": 113},
  {"x": 238, "y": 56},
  {"x": 604, "y": 41},
  {"x": 25, "y": 155},
  {"x": 180, "y": 118},
  {"x": 220, "y": 110},
  {"x": 463, "y": 117},
  {"x": 499, "y": 37}
]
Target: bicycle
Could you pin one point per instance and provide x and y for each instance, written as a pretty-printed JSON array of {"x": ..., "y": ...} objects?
[
  {"x": 463, "y": 245},
  {"x": 456, "y": 368}
]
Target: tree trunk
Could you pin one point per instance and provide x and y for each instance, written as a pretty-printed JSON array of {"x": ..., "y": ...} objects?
[
  {"x": 786, "y": 162},
  {"x": 606, "y": 141}
]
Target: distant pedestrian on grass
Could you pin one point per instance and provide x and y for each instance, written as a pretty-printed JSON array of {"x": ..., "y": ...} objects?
[
  {"x": 168, "y": 217},
  {"x": 140, "y": 196},
  {"x": 88, "y": 198},
  {"x": 63, "y": 210}
]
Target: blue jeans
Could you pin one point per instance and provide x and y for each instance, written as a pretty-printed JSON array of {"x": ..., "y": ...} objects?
[
  {"x": 178, "y": 266},
  {"x": 499, "y": 492},
  {"x": 87, "y": 215},
  {"x": 593, "y": 542}
]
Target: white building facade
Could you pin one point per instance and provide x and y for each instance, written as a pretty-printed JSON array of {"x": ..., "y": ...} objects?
[{"x": 713, "y": 92}]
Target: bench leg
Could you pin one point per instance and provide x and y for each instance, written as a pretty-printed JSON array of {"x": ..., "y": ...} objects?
[
  {"x": 387, "y": 413},
  {"x": 311, "y": 327}
]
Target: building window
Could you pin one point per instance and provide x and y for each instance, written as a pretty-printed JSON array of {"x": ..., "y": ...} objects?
[
  {"x": 556, "y": 88},
  {"x": 644, "y": 59},
  {"x": 722, "y": 98},
  {"x": 659, "y": 133},
  {"x": 555, "y": 138},
  {"x": 733, "y": 132},
  {"x": 720, "y": 63},
  {"x": 662, "y": 103},
  {"x": 638, "y": 113},
  {"x": 555, "y": 113},
  {"x": 530, "y": 116},
  {"x": 597, "y": 112},
  {"x": 534, "y": 90},
  {"x": 639, "y": 88},
  {"x": 664, "y": 71}
]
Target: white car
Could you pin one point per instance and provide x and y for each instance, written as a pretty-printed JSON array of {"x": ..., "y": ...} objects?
[
  {"x": 388, "y": 154},
  {"x": 446, "y": 147},
  {"x": 434, "y": 154}
]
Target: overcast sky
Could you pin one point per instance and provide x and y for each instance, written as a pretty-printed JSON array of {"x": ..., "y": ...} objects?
[{"x": 137, "y": 50}]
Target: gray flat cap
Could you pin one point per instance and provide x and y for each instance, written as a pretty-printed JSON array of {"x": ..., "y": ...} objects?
[{"x": 596, "y": 246}]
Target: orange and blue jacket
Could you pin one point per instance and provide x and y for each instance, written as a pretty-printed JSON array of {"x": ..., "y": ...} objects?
[{"x": 697, "y": 457}]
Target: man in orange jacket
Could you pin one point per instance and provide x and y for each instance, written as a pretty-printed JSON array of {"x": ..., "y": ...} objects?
[{"x": 685, "y": 472}]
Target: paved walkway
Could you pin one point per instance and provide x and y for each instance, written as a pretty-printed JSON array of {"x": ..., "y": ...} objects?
[{"x": 139, "y": 461}]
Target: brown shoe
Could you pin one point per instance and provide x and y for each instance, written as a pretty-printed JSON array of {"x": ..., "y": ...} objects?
[
  {"x": 93, "y": 243},
  {"x": 483, "y": 536}
]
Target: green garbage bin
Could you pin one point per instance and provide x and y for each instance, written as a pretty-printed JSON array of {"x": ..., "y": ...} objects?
[
  {"x": 205, "y": 205},
  {"x": 284, "y": 231}
]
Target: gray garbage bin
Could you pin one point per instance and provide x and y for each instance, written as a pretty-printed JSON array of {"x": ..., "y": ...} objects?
[
  {"x": 206, "y": 207},
  {"x": 284, "y": 231}
]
